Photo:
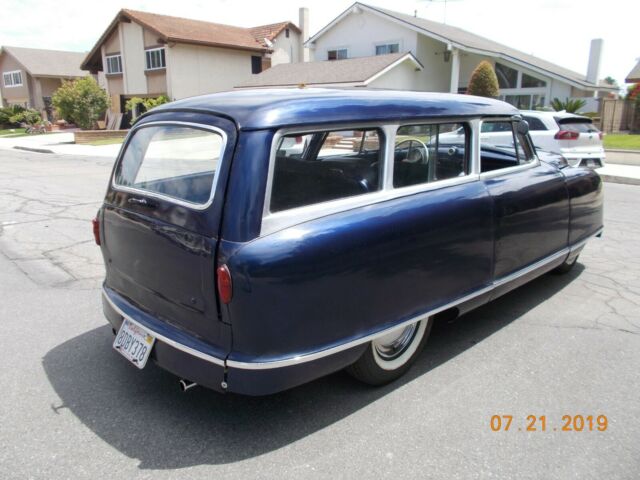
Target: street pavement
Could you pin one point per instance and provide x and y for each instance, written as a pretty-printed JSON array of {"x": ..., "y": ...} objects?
[{"x": 73, "y": 408}]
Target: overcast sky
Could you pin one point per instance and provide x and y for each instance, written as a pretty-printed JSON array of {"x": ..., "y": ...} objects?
[{"x": 556, "y": 30}]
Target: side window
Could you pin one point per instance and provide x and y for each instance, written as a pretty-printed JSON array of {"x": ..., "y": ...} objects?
[
  {"x": 317, "y": 167},
  {"x": 173, "y": 161},
  {"x": 501, "y": 146},
  {"x": 427, "y": 153},
  {"x": 535, "y": 124}
]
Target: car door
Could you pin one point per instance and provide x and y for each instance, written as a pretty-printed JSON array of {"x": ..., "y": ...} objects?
[{"x": 530, "y": 205}]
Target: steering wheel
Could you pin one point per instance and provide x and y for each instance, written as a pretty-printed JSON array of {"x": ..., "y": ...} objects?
[{"x": 418, "y": 153}]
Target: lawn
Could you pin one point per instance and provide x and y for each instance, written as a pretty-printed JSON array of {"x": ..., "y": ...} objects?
[
  {"x": 11, "y": 132},
  {"x": 622, "y": 141}
]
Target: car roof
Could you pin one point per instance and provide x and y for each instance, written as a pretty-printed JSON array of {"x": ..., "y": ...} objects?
[
  {"x": 253, "y": 109},
  {"x": 553, "y": 114}
]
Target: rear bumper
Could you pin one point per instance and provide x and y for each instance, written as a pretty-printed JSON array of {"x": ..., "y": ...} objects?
[
  {"x": 595, "y": 159},
  {"x": 188, "y": 357}
]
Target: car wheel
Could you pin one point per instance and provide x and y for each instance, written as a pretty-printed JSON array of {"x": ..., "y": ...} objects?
[
  {"x": 566, "y": 266},
  {"x": 391, "y": 355}
]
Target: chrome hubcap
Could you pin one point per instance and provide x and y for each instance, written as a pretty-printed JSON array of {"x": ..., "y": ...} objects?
[{"x": 394, "y": 343}]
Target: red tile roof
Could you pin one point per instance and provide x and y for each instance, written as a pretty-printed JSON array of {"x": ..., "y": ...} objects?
[{"x": 271, "y": 31}]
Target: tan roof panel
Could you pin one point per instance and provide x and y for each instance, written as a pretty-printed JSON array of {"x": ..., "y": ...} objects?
[{"x": 48, "y": 63}]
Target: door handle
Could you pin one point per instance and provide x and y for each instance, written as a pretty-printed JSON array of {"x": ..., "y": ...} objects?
[{"x": 143, "y": 202}]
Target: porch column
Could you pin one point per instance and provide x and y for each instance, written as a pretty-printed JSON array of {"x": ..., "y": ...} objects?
[{"x": 455, "y": 70}]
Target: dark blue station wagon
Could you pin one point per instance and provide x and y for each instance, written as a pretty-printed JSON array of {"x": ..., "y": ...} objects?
[{"x": 256, "y": 240}]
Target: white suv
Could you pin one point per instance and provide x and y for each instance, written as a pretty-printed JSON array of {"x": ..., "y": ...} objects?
[{"x": 575, "y": 137}]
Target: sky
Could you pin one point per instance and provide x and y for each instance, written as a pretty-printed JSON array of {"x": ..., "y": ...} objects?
[{"x": 556, "y": 30}]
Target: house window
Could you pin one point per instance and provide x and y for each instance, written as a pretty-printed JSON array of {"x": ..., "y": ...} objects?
[
  {"x": 387, "y": 48},
  {"x": 286, "y": 32},
  {"x": 155, "y": 58},
  {"x": 114, "y": 63},
  {"x": 256, "y": 64},
  {"x": 12, "y": 79},
  {"x": 337, "y": 54},
  {"x": 532, "y": 82},
  {"x": 507, "y": 76}
]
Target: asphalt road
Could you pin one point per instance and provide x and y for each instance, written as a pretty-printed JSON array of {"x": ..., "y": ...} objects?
[{"x": 72, "y": 408}]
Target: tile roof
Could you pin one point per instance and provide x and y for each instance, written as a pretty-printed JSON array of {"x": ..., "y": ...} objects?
[
  {"x": 186, "y": 30},
  {"x": 271, "y": 31},
  {"x": 348, "y": 71},
  {"x": 48, "y": 63}
]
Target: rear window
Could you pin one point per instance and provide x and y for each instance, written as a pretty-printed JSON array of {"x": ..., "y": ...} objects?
[
  {"x": 172, "y": 161},
  {"x": 321, "y": 166},
  {"x": 580, "y": 125}
]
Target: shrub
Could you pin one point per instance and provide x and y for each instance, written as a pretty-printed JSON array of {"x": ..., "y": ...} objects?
[
  {"x": 570, "y": 105},
  {"x": 28, "y": 116},
  {"x": 81, "y": 101},
  {"x": 484, "y": 82},
  {"x": 147, "y": 103},
  {"x": 8, "y": 112}
]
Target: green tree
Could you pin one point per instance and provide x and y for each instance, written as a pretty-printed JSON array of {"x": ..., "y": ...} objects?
[
  {"x": 484, "y": 82},
  {"x": 81, "y": 101},
  {"x": 570, "y": 105}
]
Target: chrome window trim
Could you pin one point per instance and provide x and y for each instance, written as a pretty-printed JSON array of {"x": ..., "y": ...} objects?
[
  {"x": 300, "y": 359},
  {"x": 502, "y": 171},
  {"x": 275, "y": 221},
  {"x": 167, "y": 198}
]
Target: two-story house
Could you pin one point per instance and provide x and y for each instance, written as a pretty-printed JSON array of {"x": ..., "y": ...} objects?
[
  {"x": 145, "y": 55},
  {"x": 30, "y": 76},
  {"x": 447, "y": 54}
]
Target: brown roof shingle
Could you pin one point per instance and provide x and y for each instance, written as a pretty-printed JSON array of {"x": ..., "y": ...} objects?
[
  {"x": 186, "y": 30},
  {"x": 271, "y": 31}
]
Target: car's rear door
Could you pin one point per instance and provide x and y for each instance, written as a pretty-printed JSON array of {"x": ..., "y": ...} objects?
[
  {"x": 531, "y": 206},
  {"x": 161, "y": 219}
]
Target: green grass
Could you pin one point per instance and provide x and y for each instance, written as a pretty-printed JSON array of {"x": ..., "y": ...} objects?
[
  {"x": 12, "y": 132},
  {"x": 622, "y": 141},
  {"x": 106, "y": 141}
]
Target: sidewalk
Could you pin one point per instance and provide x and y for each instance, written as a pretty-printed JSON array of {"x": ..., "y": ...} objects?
[
  {"x": 58, "y": 143},
  {"x": 627, "y": 174}
]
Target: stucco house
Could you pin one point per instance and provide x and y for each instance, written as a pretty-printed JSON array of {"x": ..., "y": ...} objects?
[
  {"x": 449, "y": 56},
  {"x": 31, "y": 75},
  {"x": 145, "y": 55}
]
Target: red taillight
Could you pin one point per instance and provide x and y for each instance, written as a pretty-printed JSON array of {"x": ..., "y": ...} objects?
[
  {"x": 96, "y": 230},
  {"x": 566, "y": 135},
  {"x": 225, "y": 286}
]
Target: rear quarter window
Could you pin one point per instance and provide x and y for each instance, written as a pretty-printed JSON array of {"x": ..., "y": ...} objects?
[
  {"x": 173, "y": 161},
  {"x": 577, "y": 125},
  {"x": 535, "y": 124}
]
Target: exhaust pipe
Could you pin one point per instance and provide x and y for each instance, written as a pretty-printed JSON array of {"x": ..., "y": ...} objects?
[{"x": 186, "y": 385}]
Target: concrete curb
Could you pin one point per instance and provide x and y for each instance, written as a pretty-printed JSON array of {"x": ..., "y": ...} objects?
[
  {"x": 618, "y": 179},
  {"x": 30, "y": 149}
]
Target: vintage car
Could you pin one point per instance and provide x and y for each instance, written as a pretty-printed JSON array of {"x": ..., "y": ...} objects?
[{"x": 256, "y": 240}]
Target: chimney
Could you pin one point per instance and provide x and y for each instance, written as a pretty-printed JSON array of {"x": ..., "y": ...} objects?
[
  {"x": 595, "y": 57},
  {"x": 303, "y": 23}
]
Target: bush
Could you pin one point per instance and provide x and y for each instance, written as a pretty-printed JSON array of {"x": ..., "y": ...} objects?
[
  {"x": 28, "y": 116},
  {"x": 569, "y": 105},
  {"x": 484, "y": 82},
  {"x": 147, "y": 103},
  {"x": 81, "y": 101},
  {"x": 8, "y": 112}
]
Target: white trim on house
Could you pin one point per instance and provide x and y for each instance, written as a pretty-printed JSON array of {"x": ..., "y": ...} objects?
[
  {"x": 109, "y": 62},
  {"x": 13, "y": 82},
  {"x": 402, "y": 59},
  {"x": 155, "y": 62}
]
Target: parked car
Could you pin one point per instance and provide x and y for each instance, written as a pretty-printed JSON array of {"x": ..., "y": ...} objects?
[
  {"x": 575, "y": 137},
  {"x": 247, "y": 251}
]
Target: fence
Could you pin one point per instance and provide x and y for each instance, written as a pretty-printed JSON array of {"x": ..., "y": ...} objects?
[{"x": 619, "y": 116}]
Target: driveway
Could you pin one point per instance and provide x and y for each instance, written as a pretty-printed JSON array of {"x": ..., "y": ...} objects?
[{"x": 72, "y": 408}]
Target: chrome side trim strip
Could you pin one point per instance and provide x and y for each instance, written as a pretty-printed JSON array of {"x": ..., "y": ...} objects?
[
  {"x": 582, "y": 242},
  {"x": 162, "y": 338},
  {"x": 297, "y": 360}
]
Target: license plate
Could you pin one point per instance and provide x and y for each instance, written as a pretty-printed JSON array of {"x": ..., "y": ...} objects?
[{"x": 134, "y": 343}]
